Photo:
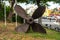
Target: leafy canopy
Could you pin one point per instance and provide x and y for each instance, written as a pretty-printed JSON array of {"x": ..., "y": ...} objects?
[{"x": 56, "y": 1}]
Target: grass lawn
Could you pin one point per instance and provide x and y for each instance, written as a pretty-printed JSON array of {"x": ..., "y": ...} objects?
[{"x": 8, "y": 33}]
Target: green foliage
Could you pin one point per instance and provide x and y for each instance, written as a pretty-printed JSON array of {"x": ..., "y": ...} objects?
[
  {"x": 1, "y": 15},
  {"x": 2, "y": 12},
  {"x": 19, "y": 19},
  {"x": 7, "y": 10},
  {"x": 51, "y": 34},
  {"x": 21, "y": 0},
  {"x": 44, "y": 1}
]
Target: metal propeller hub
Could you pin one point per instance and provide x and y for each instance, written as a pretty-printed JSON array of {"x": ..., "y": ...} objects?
[{"x": 30, "y": 21}]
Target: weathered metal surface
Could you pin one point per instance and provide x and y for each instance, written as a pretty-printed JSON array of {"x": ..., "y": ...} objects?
[
  {"x": 30, "y": 20},
  {"x": 21, "y": 12},
  {"x": 38, "y": 12},
  {"x": 38, "y": 28},
  {"x": 22, "y": 28}
]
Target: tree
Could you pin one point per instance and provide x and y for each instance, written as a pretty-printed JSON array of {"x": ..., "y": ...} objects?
[
  {"x": 41, "y": 1},
  {"x": 38, "y": 2},
  {"x": 0, "y": 5},
  {"x": 1, "y": 11}
]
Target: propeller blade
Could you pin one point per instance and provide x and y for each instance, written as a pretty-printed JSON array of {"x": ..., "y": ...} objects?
[
  {"x": 10, "y": 14},
  {"x": 38, "y": 28},
  {"x": 22, "y": 28},
  {"x": 21, "y": 12},
  {"x": 11, "y": 10},
  {"x": 38, "y": 12}
]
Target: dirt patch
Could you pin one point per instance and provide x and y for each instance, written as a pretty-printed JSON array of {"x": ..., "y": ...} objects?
[{"x": 8, "y": 33}]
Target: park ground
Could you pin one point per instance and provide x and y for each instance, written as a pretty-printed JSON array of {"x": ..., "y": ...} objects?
[{"x": 8, "y": 33}]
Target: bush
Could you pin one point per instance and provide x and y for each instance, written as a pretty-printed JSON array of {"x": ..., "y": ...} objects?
[
  {"x": 2, "y": 13},
  {"x": 19, "y": 19}
]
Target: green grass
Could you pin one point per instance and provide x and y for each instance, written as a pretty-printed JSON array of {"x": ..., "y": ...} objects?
[{"x": 51, "y": 34}]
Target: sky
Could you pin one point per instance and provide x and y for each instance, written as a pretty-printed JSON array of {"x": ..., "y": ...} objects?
[{"x": 52, "y": 5}]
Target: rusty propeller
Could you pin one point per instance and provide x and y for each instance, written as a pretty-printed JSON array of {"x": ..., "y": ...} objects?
[{"x": 30, "y": 20}]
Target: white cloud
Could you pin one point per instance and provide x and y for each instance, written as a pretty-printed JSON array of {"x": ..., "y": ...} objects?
[
  {"x": 6, "y": 3},
  {"x": 53, "y": 5}
]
